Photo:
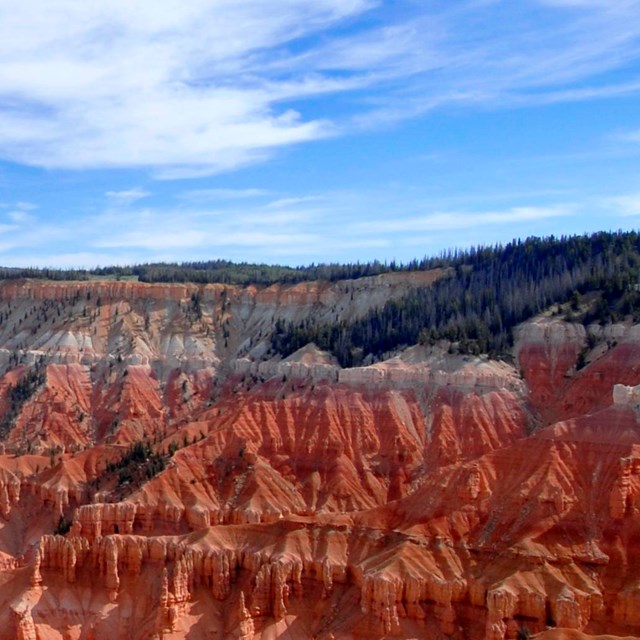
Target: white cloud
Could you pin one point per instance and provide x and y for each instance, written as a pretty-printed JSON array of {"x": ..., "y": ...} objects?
[
  {"x": 629, "y": 136},
  {"x": 203, "y": 195},
  {"x": 20, "y": 213},
  {"x": 626, "y": 205},
  {"x": 326, "y": 226},
  {"x": 282, "y": 203},
  {"x": 19, "y": 216},
  {"x": 188, "y": 89},
  {"x": 453, "y": 220},
  {"x": 153, "y": 238},
  {"x": 128, "y": 196},
  {"x": 518, "y": 55},
  {"x": 165, "y": 84},
  {"x": 602, "y": 4},
  {"x": 26, "y": 206}
]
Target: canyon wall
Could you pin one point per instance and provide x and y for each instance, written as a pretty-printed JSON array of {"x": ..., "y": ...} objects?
[{"x": 164, "y": 475}]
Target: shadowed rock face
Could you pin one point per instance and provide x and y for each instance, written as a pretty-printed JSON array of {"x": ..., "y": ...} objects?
[{"x": 427, "y": 496}]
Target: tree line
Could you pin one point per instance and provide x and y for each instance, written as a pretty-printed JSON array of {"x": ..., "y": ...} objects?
[
  {"x": 486, "y": 293},
  {"x": 228, "y": 272}
]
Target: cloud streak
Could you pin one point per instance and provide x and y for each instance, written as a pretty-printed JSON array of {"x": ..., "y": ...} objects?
[
  {"x": 625, "y": 205},
  {"x": 318, "y": 227},
  {"x": 204, "y": 195},
  {"x": 155, "y": 84},
  {"x": 127, "y": 196},
  {"x": 448, "y": 221},
  {"x": 191, "y": 89}
]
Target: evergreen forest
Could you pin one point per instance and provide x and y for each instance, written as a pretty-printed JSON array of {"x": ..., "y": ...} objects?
[
  {"x": 223, "y": 271},
  {"x": 485, "y": 293}
]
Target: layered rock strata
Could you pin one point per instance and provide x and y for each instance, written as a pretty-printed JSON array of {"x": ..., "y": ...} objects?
[{"x": 429, "y": 495}]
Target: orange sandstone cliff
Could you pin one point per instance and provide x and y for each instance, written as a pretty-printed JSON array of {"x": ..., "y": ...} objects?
[{"x": 163, "y": 475}]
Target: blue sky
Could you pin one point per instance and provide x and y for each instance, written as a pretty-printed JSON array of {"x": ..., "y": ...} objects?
[{"x": 289, "y": 131}]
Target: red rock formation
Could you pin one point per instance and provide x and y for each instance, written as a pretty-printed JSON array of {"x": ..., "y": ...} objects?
[
  {"x": 429, "y": 495},
  {"x": 25, "y": 628}
]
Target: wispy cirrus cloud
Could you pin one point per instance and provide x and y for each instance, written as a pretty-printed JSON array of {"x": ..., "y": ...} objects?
[
  {"x": 525, "y": 57},
  {"x": 205, "y": 195},
  {"x": 283, "y": 203},
  {"x": 452, "y": 220},
  {"x": 127, "y": 196},
  {"x": 186, "y": 90},
  {"x": 19, "y": 213},
  {"x": 19, "y": 216},
  {"x": 629, "y": 136},
  {"x": 625, "y": 205},
  {"x": 171, "y": 85},
  {"x": 301, "y": 229}
]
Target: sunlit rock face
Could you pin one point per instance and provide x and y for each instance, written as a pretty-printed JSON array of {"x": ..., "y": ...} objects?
[{"x": 164, "y": 475}]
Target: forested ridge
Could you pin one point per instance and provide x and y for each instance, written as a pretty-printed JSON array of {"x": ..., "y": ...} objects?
[
  {"x": 227, "y": 272},
  {"x": 487, "y": 292}
]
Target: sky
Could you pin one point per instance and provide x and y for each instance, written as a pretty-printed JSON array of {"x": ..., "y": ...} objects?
[{"x": 293, "y": 132}]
